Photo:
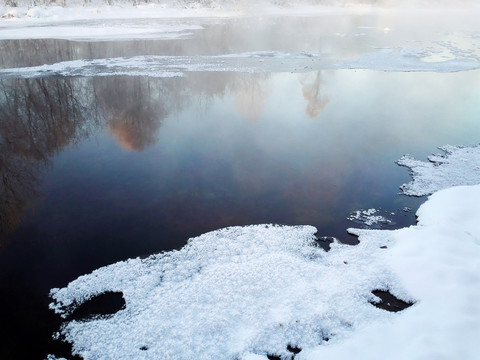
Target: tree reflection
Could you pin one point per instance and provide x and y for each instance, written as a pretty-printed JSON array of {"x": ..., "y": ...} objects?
[
  {"x": 311, "y": 93},
  {"x": 38, "y": 118},
  {"x": 132, "y": 115},
  {"x": 250, "y": 95}
]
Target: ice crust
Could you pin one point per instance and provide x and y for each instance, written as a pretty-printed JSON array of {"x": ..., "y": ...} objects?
[
  {"x": 249, "y": 62},
  {"x": 458, "y": 166},
  {"x": 245, "y": 292}
]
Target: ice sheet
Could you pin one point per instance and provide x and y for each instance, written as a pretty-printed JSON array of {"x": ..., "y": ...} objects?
[
  {"x": 457, "y": 166},
  {"x": 250, "y": 62},
  {"x": 102, "y": 32}
]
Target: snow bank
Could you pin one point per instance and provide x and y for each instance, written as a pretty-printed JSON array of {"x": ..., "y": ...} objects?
[
  {"x": 245, "y": 292},
  {"x": 437, "y": 262},
  {"x": 458, "y": 166},
  {"x": 33, "y": 11}
]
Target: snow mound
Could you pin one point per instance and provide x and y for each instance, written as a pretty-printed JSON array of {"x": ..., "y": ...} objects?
[
  {"x": 459, "y": 166},
  {"x": 232, "y": 293}
]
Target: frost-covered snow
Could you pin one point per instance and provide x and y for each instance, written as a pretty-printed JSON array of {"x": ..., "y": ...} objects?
[
  {"x": 245, "y": 292},
  {"x": 460, "y": 165},
  {"x": 231, "y": 293}
]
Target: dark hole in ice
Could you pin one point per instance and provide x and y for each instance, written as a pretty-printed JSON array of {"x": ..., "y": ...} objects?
[
  {"x": 389, "y": 302},
  {"x": 324, "y": 242},
  {"x": 273, "y": 357},
  {"x": 104, "y": 304},
  {"x": 293, "y": 349},
  {"x": 326, "y": 338}
]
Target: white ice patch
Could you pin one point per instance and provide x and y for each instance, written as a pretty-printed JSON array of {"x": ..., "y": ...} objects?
[
  {"x": 459, "y": 166},
  {"x": 410, "y": 59},
  {"x": 249, "y": 62},
  {"x": 101, "y": 32},
  {"x": 369, "y": 217},
  {"x": 233, "y": 293}
]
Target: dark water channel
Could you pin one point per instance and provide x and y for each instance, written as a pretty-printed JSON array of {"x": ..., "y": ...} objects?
[{"x": 97, "y": 170}]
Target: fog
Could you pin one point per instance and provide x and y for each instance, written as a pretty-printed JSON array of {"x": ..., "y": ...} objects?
[{"x": 244, "y": 3}]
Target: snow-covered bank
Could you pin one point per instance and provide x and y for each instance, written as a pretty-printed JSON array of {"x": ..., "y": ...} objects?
[
  {"x": 245, "y": 292},
  {"x": 437, "y": 263}
]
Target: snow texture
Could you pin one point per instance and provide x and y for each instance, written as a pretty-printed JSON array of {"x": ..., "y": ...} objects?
[
  {"x": 245, "y": 292},
  {"x": 458, "y": 166},
  {"x": 231, "y": 293},
  {"x": 437, "y": 263}
]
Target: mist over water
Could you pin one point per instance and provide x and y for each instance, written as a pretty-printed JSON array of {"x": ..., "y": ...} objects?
[{"x": 240, "y": 4}]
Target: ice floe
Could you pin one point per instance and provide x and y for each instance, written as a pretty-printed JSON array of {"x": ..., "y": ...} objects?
[
  {"x": 249, "y": 62},
  {"x": 459, "y": 165},
  {"x": 369, "y": 217}
]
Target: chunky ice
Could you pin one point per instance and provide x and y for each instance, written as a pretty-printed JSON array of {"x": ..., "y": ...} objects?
[{"x": 459, "y": 165}]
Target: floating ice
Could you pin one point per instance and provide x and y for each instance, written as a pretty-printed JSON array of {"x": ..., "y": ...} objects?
[
  {"x": 249, "y": 62},
  {"x": 102, "y": 32},
  {"x": 459, "y": 166},
  {"x": 368, "y": 217}
]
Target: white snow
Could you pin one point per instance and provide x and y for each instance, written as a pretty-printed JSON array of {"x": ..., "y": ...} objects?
[
  {"x": 232, "y": 292},
  {"x": 460, "y": 165},
  {"x": 437, "y": 262},
  {"x": 245, "y": 292}
]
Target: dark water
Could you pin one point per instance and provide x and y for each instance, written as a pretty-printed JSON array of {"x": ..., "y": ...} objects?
[{"x": 97, "y": 170}]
